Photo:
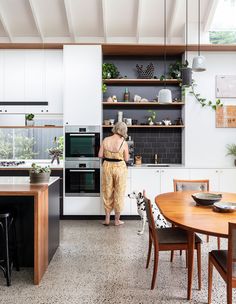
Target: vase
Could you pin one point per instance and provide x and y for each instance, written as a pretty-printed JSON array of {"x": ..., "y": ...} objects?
[
  {"x": 39, "y": 178},
  {"x": 29, "y": 123}
]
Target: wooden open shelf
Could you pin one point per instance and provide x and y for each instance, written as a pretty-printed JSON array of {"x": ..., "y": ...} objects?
[
  {"x": 147, "y": 126},
  {"x": 31, "y": 127},
  {"x": 142, "y": 104},
  {"x": 126, "y": 81}
]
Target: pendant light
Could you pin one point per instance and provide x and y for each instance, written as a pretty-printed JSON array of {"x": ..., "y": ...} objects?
[
  {"x": 165, "y": 95},
  {"x": 186, "y": 72},
  {"x": 199, "y": 64}
]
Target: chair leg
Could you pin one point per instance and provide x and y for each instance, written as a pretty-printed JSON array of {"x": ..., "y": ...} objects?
[
  {"x": 199, "y": 266},
  {"x": 218, "y": 243},
  {"x": 186, "y": 258},
  {"x": 149, "y": 250},
  {"x": 16, "y": 255},
  {"x": 172, "y": 256},
  {"x": 7, "y": 257},
  {"x": 180, "y": 252},
  {"x": 155, "y": 266},
  {"x": 210, "y": 270},
  {"x": 207, "y": 238},
  {"x": 229, "y": 293}
]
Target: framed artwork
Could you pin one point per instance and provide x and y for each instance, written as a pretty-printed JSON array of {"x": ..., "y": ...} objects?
[
  {"x": 226, "y": 86},
  {"x": 226, "y": 117}
]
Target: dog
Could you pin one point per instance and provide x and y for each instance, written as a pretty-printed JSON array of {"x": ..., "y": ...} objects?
[{"x": 159, "y": 219}]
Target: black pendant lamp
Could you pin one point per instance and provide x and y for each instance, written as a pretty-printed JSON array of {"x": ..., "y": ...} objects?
[
  {"x": 186, "y": 72},
  {"x": 199, "y": 62}
]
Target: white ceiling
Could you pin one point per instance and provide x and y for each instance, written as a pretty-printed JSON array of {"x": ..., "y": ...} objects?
[{"x": 91, "y": 21}]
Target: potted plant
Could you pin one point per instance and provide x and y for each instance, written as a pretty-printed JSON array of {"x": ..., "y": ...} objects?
[
  {"x": 152, "y": 117},
  {"x": 29, "y": 119},
  {"x": 39, "y": 174},
  {"x": 232, "y": 151},
  {"x": 56, "y": 152}
]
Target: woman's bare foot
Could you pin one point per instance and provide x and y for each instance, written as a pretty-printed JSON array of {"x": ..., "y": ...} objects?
[
  {"x": 105, "y": 223},
  {"x": 118, "y": 223}
]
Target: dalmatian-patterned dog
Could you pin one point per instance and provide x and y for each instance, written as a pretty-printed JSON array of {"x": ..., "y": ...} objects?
[{"x": 159, "y": 219}]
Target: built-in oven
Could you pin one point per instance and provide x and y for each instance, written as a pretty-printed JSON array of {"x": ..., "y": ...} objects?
[
  {"x": 82, "y": 142},
  {"x": 82, "y": 178}
]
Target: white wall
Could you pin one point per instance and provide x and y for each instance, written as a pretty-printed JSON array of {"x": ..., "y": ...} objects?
[{"x": 204, "y": 143}]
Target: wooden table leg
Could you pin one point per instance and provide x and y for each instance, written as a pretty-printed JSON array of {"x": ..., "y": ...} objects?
[{"x": 191, "y": 241}]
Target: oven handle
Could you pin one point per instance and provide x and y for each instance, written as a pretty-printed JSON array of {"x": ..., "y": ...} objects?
[
  {"x": 82, "y": 170},
  {"x": 87, "y": 134}
]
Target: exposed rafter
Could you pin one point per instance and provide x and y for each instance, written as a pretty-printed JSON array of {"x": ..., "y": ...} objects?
[
  {"x": 176, "y": 5},
  {"x": 5, "y": 26},
  {"x": 104, "y": 19},
  {"x": 210, "y": 12},
  {"x": 36, "y": 20},
  {"x": 69, "y": 20},
  {"x": 139, "y": 14}
]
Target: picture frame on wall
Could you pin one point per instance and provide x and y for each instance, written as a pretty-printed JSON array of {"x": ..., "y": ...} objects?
[{"x": 226, "y": 86}]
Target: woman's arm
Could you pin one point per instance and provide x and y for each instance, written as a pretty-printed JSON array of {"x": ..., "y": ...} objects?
[
  {"x": 126, "y": 152},
  {"x": 100, "y": 153}
]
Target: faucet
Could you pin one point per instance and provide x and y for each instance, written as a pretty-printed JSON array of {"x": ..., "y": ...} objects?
[{"x": 156, "y": 158}]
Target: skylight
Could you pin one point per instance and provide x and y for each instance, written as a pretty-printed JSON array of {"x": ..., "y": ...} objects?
[{"x": 224, "y": 18}]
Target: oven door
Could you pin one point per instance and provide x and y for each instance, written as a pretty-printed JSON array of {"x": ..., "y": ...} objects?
[
  {"x": 81, "y": 145},
  {"x": 82, "y": 182}
]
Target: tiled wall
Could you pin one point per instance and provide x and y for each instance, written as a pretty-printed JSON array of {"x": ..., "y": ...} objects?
[{"x": 148, "y": 142}]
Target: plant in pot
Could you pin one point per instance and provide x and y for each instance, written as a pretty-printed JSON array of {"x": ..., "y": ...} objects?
[
  {"x": 232, "y": 151},
  {"x": 56, "y": 152},
  {"x": 29, "y": 119},
  {"x": 39, "y": 174},
  {"x": 152, "y": 117}
]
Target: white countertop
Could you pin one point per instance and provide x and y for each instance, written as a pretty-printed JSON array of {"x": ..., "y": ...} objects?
[
  {"x": 23, "y": 180},
  {"x": 28, "y": 163}
]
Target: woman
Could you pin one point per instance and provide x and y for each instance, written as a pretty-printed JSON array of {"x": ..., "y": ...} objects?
[{"x": 114, "y": 151}]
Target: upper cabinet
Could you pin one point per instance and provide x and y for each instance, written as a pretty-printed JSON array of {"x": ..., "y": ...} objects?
[
  {"x": 82, "y": 84},
  {"x": 31, "y": 76}
]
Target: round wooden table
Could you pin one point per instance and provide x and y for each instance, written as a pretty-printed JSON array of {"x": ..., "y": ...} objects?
[{"x": 179, "y": 208}]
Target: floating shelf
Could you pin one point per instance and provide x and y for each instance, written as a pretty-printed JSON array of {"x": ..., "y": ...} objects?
[
  {"x": 31, "y": 127},
  {"x": 141, "y": 104},
  {"x": 125, "y": 81},
  {"x": 147, "y": 126}
]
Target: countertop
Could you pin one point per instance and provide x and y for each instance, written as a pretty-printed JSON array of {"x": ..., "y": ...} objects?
[
  {"x": 12, "y": 185},
  {"x": 28, "y": 163}
]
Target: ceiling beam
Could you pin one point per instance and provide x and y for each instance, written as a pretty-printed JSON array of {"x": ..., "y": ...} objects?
[
  {"x": 139, "y": 14},
  {"x": 69, "y": 20},
  {"x": 209, "y": 15},
  {"x": 173, "y": 17},
  {"x": 104, "y": 19},
  {"x": 36, "y": 20},
  {"x": 5, "y": 26}
]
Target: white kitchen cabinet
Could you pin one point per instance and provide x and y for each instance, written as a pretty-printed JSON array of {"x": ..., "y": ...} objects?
[
  {"x": 82, "y": 84},
  {"x": 168, "y": 175},
  {"x": 227, "y": 178},
  {"x": 211, "y": 174},
  {"x": 1, "y": 77},
  {"x": 128, "y": 202},
  {"x": 82, "y": 206}
]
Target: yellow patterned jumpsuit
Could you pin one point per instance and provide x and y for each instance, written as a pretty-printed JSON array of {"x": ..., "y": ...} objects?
[{"x": 114, "y": 180}]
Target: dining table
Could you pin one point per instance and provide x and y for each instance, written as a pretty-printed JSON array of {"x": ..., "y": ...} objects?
[{"x": 180, "y": 209}]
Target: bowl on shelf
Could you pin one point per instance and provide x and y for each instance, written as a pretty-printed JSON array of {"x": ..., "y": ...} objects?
[
  {"x": 206, "y": 199},
  {"x": 225, "y": 207}
]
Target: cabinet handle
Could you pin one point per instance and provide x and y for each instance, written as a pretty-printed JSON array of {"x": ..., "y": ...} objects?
[
  {"x": 216, "y": 171},
  {"x": 41, "y": 110},
  {"x": 158, "y": 171},
  {"x": 162, "y": 171},
  {"x": 5, "y": 110},
  {"x": 46, "y": 110}
]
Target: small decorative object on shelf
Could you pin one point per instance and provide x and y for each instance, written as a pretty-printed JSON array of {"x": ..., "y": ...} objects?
[
  {"x": 152, "y": 117},
  {"x": 126, "y": 95},
  {"x": 56, "y": 152},
  {"x": 145, "y": 73},
  {"x": 137, "y": 98},
  {"x": 109, "y": 99},
  {"x": 179, "y": 121},
  {"x": 144, "y": 100},
  {"x": 120, "y": 116},
  {"x": 167, "y": 122},
  {"x": 29, "y": 119},
  {"x": 39, "y": 174},
  {"x": 232, "y": 151},
  {"x": 114, "y": 98}
]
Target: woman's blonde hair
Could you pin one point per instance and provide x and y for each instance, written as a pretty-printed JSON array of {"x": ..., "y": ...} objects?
[{"x": 120, "y": 128}]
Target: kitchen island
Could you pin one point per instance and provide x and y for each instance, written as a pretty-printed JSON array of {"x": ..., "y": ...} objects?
[{"x": 37, "y": 209}]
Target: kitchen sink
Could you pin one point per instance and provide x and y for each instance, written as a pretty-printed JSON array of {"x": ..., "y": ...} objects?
[{"x": 157, "y": 165}]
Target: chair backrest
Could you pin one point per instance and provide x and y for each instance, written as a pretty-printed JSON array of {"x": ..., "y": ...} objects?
[
  {"x": 188, "y": 185},
  {"x": 231, "y": 267},
  {"x": 151, "y": 222}
]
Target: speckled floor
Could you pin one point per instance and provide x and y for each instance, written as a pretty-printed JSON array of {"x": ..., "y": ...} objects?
[{"x": 97, "y": 264}]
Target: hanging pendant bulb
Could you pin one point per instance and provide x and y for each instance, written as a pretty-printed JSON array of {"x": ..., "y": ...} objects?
[
  {"x": 199, "y": 62},
  {"x": 165, "y": 95},
  {"x": 186, "y": 76}
]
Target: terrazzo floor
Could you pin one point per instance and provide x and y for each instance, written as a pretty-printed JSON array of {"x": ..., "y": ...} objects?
[{"x": 98, "y": 264}]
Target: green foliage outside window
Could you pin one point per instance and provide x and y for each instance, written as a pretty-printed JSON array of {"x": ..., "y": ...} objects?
[{"x": 224, "y": 37}]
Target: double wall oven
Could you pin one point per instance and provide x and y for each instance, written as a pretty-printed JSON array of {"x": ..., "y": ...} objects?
[{"x": 82, "y": 165}]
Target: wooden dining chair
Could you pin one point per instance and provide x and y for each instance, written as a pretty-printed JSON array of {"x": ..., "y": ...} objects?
[
  {"x": 195, "y": 185},
  {"x": 225, "y": 263},
  {"x": 167, "y": 239}
]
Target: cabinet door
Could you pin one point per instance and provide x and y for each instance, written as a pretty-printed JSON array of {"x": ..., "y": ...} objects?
[
  {"x": 228, "y": 180},
  {"x": 14, "y": 75},
  {"x": 128, "y": 202},
  {"x": 82, "y": 206},
  {"x": 211, "y": 174},
  {"x": 54, "y": 86},
  {"x": 82, "y": 84},
  {"x": 1, "y": 77},
  {"x": 168, "y": 175}
]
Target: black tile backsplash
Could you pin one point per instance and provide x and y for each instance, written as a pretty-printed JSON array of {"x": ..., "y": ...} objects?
[{"x": 167, "y": 143}]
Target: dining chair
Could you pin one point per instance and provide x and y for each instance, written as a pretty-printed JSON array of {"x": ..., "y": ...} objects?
[
  {"x": 225, "y": 263},
  {"x": 167, "y": 239},
  {"x": 196, "y": 185}
]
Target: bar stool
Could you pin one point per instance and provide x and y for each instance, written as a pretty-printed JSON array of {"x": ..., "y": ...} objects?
[{"x": 8, "y": 246}]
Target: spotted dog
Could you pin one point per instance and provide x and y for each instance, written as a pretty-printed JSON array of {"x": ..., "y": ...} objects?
[{"x": 159, "y": 219}]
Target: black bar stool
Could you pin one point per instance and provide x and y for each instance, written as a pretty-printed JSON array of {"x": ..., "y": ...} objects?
[{"x": 8, "y": 245}]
